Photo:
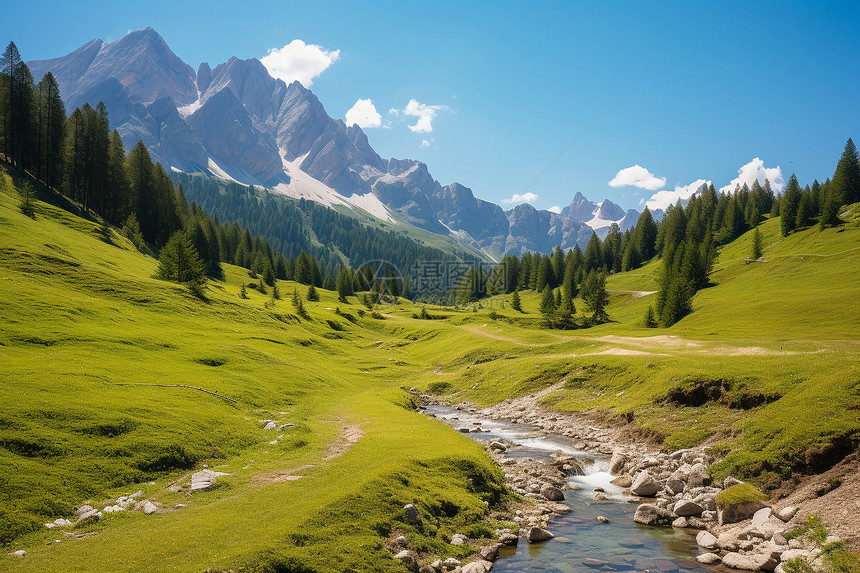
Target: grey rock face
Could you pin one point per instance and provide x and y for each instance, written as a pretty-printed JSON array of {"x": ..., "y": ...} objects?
[
  {"x": 223, "y": 125},
  {"x": 140, "y": 60}
]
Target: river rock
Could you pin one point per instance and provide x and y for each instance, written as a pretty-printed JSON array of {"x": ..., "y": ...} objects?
[
  {"x": 536, "y": 535},
  {"x": 498, "y": 446},
  {"x": 490, "y": 552},
  {"x": 674, "y": 486},
  {"x": 552, "y": 493},
  {"x": 737, "y": 512},
  {"x": 411, "y": 513},
  {"x": 738, "y": 561},
  {"x": 680, "y": 523},
  {"x": 623, "y": 481},
  {"x": 616, "y": 463},
  {"x": 787, "y": 513},
  {"x": 666, "y": 566},
  {"x": 687, "y": 507},
  {"x": 706, "y": 539},
  {"x": 649, "y": 514},
  {"x": 730, "y": 481},
  {"x": 477, "y": 567},
  {"x": 644, "y": 485},
  {"x": 708, "y": 558},
  {"x": 509, "y": 538},
  {"x": 459, "y": 539},
  {"x": 698, "y": 475},
  {"x": 451, "y": 563}
]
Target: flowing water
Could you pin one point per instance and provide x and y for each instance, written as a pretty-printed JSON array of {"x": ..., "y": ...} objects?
[{"x": 620, "y": 545}]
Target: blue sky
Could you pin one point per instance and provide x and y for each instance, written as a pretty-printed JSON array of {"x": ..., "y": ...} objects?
[{"x": 689, "y": 91}]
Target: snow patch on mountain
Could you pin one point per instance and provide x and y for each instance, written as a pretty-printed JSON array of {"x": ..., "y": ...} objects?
[{"x": 371, "y": 203}]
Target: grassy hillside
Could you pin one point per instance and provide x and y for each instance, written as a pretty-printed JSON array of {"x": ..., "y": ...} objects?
[
  {"x": 90, "y": 343},
  {"x": 86, "y": 335}
]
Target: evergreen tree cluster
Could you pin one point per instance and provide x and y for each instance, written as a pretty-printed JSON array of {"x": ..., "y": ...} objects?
[{"x": 291, "y": 226}]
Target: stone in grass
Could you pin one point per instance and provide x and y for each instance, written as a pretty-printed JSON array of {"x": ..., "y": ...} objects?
[
  {"x": 408, "y": 558},
  {"x": 149, "y": 508},
  {"x": 451, "y": 563},
  {"x": 204, "y": 479},
  {"x": 537, "y": 534},
  {"x": 459, "y": 539},
  {"x": 411, "y": 513}
]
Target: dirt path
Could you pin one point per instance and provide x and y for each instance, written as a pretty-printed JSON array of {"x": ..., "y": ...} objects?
[{"x": 634, "y": 294}]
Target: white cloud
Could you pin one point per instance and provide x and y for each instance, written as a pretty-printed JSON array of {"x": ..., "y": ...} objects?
[
  {"x": 637, "y": 176},
  {"x": 299, "y": 61},
  {"x": 662, "y": 199},
  {"x": 755, "y": 170},
  {"x": 524, "y": 198},
  {"x": 363, "y": 114},
  {"x": 426, "y": 142},
  {"x": 425, "y": 114},
  {"x": 555, "y": 209}
]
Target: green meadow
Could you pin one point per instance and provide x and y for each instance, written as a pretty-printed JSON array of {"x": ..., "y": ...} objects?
[{"x": 97, "y": 357}]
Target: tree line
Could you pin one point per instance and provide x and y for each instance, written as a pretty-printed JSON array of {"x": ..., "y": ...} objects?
[
  {"x": 686, "y": 240},
  {"x": 276, "y": 238}
]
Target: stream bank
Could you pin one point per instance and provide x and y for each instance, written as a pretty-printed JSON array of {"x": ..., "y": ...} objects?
[{"x": 623, "y": 507}]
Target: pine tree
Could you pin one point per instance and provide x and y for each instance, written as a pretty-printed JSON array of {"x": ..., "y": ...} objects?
[
  {"x": 830, "y": 211},
  {"x": 52, "y": 119},
  {"x": 547, "y": 303},
  {"x": 16, "y": 99},
  {"x": 544, "y": 274},
  {"x": 276, "y": 291},
  {"x": 343, "y": 284},
  {"x": 595, "y": 296},
  {"x": 516, "y": 304},
  {"x": 789, "y": 205},
  {"x": 646, "y": 234},
  {"x": 593, "y": 254},
  {"x": 757, "y": 244},
  {"x": 650, "y": 320},
  {"x": 846, "y": 179},
  {"x": 179, "y": 261},
  {"x": 243, "y": 292},
  {"x": 312, "y": 294}
]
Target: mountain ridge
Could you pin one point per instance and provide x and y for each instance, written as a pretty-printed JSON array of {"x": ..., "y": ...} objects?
[{"x": 236, "y": 121}]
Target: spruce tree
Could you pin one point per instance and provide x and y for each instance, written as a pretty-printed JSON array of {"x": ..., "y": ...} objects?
[
  {"x": 650, "y": 320},
  {"x": 179, "y": 261},
  {"x": 312, "y": 294},
  {"x": 243, "y": 292},
  {"x": 846, "y": 179},
  {"x": 595, "y": 295},
  {"x": 830, "y": 211},
  {"x": 516, "y": 304},
  {"x": 547, "y": 303},
  {"x": 593, "y": 254},
  {"x": 757, "y": 244},
  {"x": 789, "y": 205}
]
